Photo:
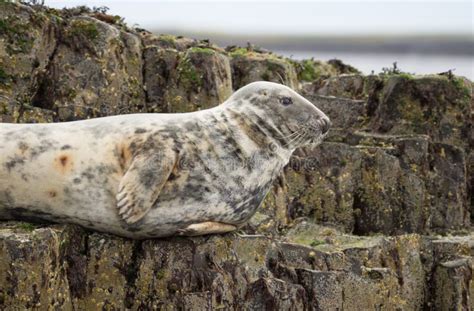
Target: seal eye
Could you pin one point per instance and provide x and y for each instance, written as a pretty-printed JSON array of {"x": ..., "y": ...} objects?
[{"x": 285, "y": 101}]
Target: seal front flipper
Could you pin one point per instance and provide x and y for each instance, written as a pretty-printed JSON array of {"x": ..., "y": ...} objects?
[{"x": 142, "y": 183}]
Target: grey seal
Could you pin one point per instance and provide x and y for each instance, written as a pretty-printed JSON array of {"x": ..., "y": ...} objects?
[{"x": 155, "y": 175}]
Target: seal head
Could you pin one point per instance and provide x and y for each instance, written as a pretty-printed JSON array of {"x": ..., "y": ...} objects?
[{"x": 290, "y": 118}]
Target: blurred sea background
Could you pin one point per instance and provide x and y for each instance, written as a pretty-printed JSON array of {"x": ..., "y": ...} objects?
[{"x": 422, "y": 36}]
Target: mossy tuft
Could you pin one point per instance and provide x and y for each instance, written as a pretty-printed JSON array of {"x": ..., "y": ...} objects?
[
  {"x": 83, "y": 28},
  {"x": 207, "y": 51},
  {"x": 26, "y": 226},
  {"x": 307, "y": 71},
  {"x": 188, "y": 75},
  {"x": 238, "y": 51}
]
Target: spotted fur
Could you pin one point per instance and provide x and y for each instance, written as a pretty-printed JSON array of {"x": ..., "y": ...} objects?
[{"x": 155, "y": 175}]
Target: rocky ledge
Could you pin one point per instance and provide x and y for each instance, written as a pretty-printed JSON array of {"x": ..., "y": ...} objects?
[{"x": 378, "y": 217}]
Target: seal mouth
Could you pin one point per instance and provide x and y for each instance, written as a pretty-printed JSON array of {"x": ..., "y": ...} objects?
[{"x": 324, "y": 125}]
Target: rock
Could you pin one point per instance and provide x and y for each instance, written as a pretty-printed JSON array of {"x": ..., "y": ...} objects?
[
  {"x": 349, "y": 86},
  {"x": 197, "y": 78},
  {"x": 373, "y": 184},
  {"x": 68, "y": 267},
  {"x": 96, "y": 70},
  {"x": 30, "y": 274},
  {"x": 311, "y": 70},
  {"x": 347, "y": 115},
  {"x": 398, "y": 160},
  {"x": 274, "y": 294},
  {"x": 249, "y": 66},
  {"x": 27, "y": 42},
  {"x": 403, "y": 104},
  {"x": 453, "y": 285}
]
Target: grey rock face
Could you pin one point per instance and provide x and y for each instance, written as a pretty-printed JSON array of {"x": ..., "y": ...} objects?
[{"x": 353, "y": 222}]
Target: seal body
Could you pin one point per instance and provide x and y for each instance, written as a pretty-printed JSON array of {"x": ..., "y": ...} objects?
[{"x": 155, "y": 175}]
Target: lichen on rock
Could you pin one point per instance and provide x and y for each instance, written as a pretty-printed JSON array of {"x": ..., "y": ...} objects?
[{"x": 379, "y": 216}]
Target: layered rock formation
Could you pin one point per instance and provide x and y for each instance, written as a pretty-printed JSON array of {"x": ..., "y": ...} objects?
[{"x": 378, "y": 217}]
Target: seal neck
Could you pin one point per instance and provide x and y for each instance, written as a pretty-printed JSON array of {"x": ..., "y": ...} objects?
[{"x": 260, "y": 129}]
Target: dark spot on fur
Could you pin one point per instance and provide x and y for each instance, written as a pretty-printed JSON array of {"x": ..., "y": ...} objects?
[
  {"x": 66, "y": 147},
  {"x": 63, "y": 160},
  {"x": 147, "y": 177},
  {"x": 77, "y": 181},
  {"x": 23, "y": 147},
  {"x": 52, "y": 194},
  {"x": 140, "y": 131},
  {"x": 14, "y": 162},
  {"x": 172, "y": 177},
  {"x": 88, "y": 175}
]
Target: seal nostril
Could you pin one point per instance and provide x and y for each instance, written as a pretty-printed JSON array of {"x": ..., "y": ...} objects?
[{"x": 326, "y": 124}]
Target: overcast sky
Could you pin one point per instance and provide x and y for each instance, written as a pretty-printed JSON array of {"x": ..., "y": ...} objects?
[{"x": 293, "y": 17}]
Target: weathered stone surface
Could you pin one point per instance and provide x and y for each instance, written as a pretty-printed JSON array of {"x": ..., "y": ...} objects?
[
  {"x": 67, "y": 267},
  {"x": 249, "y": 66},
  {"x": 453, "y": 285},
  {"x": 30, "y": 269},
  {"x": 398, "y": 160},
  {"x": 96, "y": 70},
  {"x": 373, "y": 183},
  {"x": 311, "y": 70},
  {"x": 352, "y": 86},
  {"x": 197, "y": 78},
  {"x": 27, "y": 41}
]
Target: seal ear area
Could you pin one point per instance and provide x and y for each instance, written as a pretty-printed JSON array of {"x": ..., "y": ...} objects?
[{"x": 142, "y": 183}]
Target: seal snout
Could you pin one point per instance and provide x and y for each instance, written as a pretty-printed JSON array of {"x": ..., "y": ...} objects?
[{"x": 324, "y": 124}]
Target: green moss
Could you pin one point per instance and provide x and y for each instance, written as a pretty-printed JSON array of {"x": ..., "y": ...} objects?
[
  {"x": 82, "y": 28},
  {"x": 188, "y": 75},
  {"x": 238, "y": 52},
  {"x": 26, "y": 226},
  {"x": 316, "y": 242},
  {"x": 206, "y": 51},
  {"x": 17, "y": 34},
  {"x": 308, "y": 71},
  {"x": 160, "y": 274},
  {"x": 412, "y": 111},
  {"x": 3, "y": 108},
  {"x": 406, "y": 75},
  {"x": 168, "y": 38},
  {"x": 460, "y": 84},
  {"x": 4, "y": 77}
]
